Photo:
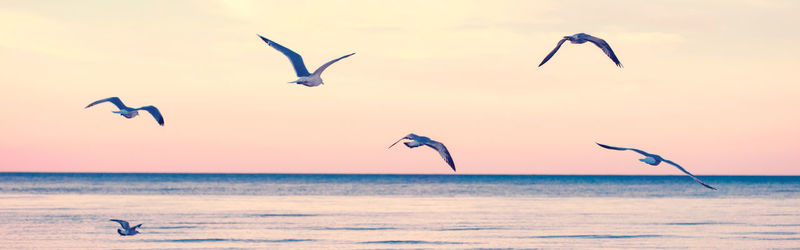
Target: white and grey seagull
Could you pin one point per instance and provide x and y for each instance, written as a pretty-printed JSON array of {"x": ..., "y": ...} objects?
[
  {"x": 417, "y": 141},
  {"x": 582, "y": 38},
  {"x": 126, "y": 230},
  {"x": 654, "y": 160},
  {"x": 305, "y": 78},
  {"x": 129, "y": 112}
]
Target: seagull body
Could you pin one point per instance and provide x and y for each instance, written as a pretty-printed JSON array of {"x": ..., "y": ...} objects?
[
  {"x": 305, "y": 78},
  {"x": 129, "y": 112},
  {"x": 126, "y": 230},
  {"x": 417, "y": 141},
  {"x": 582, "y": 38},
  {"x": 654, "y": 160}
]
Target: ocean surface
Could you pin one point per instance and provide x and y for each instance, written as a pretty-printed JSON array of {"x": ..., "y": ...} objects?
[{"x": 327, "y": 211}]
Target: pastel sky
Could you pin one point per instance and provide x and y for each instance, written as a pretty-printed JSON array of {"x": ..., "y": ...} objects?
[{"x": 709, "y": 84}]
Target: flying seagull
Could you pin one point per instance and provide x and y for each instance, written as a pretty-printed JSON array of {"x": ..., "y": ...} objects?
[
  {"x": 305, "y": 78},
  {"x": 126, "y": 230},
  {"x": 654, "y": 160},
  {"x": 582, "y": 38},
  {"x": 417, "y": 141},
  {"x": 129, "y": 112}
]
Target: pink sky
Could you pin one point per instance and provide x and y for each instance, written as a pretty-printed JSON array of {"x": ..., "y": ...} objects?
[{"x": 710, "y": 85}]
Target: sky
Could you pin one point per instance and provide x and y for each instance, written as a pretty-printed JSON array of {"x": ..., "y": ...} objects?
[{"x": 708, "y": 84}]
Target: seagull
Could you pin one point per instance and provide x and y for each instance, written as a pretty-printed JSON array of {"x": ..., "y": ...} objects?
[
  {"x": 417, "y": 141},
  {"x": 305, "y": 78},
  {"x": 129, "y": 112},
  {"x": 654, "y": 160},
  {"x": 582, "y": 38},
  {"x": 126, "y": 230}
]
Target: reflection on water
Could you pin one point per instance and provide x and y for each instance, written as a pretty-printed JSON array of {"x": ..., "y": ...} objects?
[{"x": 415, "y": 217}]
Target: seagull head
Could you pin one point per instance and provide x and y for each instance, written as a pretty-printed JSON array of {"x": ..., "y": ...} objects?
[
  {"x": 127, "y": 113},
  {"x": 650, "y": 160}
]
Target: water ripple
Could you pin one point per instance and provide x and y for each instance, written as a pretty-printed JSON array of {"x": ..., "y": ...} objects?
[
  {"x": 411, "y": 242},
  {"x": 285, "y": 215},
  {"x": 764, "y": 238},
  {"x": 357, "y": 228},
  {"x": 598, "y": 236},
  {"x": 699, "y": 223},
  {"x": 470, "y": 228},
  {"x": 768, "y": 233},
  {"x": 232, "y": 240},
  {"x": 173, "y": 227}
]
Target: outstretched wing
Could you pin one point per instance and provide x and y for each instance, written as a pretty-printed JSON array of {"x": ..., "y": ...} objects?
[
  {"x": 618, "y": 148},
  {"x": 553, "y": 52},
  {"x": 122, "y": 223},
  {"x": 443, "y": 152},
  {"x": 605, "y": 47},
  {"x": 296, "y": 59},
  {"x": 115, "y": 100},
  {"x": 324, "y": 66},
  {"x": 137, "y": 226},
  {"x": 405, "y": 137},
  {"x": 690, "y": 174},
  {"x": 156, "y": 114}
]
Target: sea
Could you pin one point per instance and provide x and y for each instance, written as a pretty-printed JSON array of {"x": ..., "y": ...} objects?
[{"x": 370, "y": 211}]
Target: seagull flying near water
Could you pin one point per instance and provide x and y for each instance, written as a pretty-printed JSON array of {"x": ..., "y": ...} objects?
[
  {"x": 417, "y": 141},
  {"x": 305, "y": 78},
  {"x": 126, "y": 230},
  {"x": 129, "y": 112},
  {"x": 582, "y": 38},
  {"x": 654, "y": 160}
]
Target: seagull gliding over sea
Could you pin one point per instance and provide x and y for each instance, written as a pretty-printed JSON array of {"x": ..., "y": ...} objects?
[
  {"x": 582, "y": 38},
  {"x": 417, "y": 141},
  {"x": 305, "y": 78},
  {"x": 126, "y": 230},
  {"x": 129, "y": 112},
  {"x": 654, "y": 160}
]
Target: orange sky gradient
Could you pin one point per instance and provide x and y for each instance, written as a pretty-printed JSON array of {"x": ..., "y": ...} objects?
[{"x": 710, "y": 85}]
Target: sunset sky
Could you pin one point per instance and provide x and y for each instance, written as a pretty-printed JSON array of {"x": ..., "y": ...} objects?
[{"x": 711, "y": 85}]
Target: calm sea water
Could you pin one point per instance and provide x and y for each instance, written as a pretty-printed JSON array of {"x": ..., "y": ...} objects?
[{"x": 213, "y": 211}]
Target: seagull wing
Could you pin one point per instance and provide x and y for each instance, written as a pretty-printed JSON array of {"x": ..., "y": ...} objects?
[
  {"x": 405, "y": 137},
  {"x": 115, "y": 100},
  {"x": 324, "y": 66},
  {"x": 443, "y": 152},
  {"x": 553, "y": 52},
  {"x": 156, "y": 114},
  {"x": 690, "y": 174},
  {"x": 618, "y": 148},
  {"x": 122, "y": 223},
  {"x": 296, "y": 59},
  {"x": 137, "y": 226},
  {"x": 605, "y": 47}
]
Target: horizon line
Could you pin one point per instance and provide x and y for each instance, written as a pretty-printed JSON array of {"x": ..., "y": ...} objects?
[{"x": 439, "y": 174}]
